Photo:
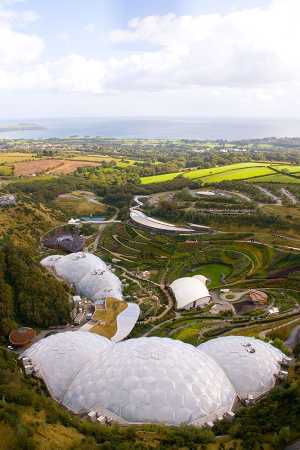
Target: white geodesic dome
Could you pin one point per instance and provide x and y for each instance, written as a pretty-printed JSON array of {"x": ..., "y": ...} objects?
[
  {"x": 250, "y": 364},
  {"x": 88, "y": 273},
  {"x": 156, "y": 380},
  {"x": 59, "y": 358},
  {"x": 49, "y": 261},
  {"x": 99, "y": 285},
  {"x": 73, "y": 267},
  {"x": 153, "y": 380}
]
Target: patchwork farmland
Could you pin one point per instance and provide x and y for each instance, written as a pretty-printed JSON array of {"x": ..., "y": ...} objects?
[{"x": 259, "y": 172}]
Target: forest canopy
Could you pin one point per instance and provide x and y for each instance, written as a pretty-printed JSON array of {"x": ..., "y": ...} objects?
[{"x": 28, "y": 293}]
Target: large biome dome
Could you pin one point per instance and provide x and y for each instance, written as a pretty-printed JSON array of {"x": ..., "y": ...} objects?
[
  {"x": 153, "y": 380},
  {"x": 59, "y": 358}
]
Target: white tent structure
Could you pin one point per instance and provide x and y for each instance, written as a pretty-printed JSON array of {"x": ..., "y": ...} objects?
[
  {"x": 250, "y": 364},
  {"x": 190, "y": 292},
  {"x": 87, "y": 273}
]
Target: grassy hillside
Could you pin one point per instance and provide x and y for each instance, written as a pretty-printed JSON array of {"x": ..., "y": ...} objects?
[{"x": 239, "y": 171}]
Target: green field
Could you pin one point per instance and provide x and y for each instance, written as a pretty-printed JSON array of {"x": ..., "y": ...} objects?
[
  {"x": 6, "y": 170},
  {"x": 12, "y": 157},
  {"x": 214, "y": 272},
  {"x": 277, "y": 178},
  {"x": 240, "y": 171},
  {"x": 120, "y": 162},
  {"x": 7, "y": 161}
]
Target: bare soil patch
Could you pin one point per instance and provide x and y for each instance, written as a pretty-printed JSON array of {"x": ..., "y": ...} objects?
[
  {"x": 53, "y": 166},
  {"x": 71, "y": 166}
]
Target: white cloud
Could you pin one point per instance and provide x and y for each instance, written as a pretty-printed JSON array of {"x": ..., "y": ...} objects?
[
  {"x": 246, "y": 48},
  {"x": 17, "y": 48},
  {"x": 250, "y": 54}
]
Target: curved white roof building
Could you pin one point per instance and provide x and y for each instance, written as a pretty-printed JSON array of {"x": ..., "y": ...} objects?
[
  {"x": 154, "y": 379},
  {"x": 126, "y": 321},
  {"x": 59, "y": 358},
  {"x": 88, "y": 273},
  {"x": 190, "y": 292},
  {"x": 250, "y": 364},
  {"x": 140, "y": 218}
]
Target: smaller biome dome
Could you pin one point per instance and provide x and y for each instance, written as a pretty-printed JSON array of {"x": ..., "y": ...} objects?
[
  {"x": 73, "y": 267},
  {"x": 87, "y": 273},
  {"x": 50, "y": 261},
  {"x": 153, "y": 380},
  {"x": 58, "y": 358},
  {"x": 190, "y": 291},
  {"x": 250, "y": 364},
  {"x": 99, "y": 285}
]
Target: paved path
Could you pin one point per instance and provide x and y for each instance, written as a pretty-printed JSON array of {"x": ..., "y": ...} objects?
[
  {"x": 294, "y": 446},
  {"x": 289, "y": 195},
  {"x": 294, "y": 338},
  {"x": 263, "y": 333},
  {"x": 265, "y": 191},
  {"x": 242, "y": 196},
  {"x": 102, "y": 227}
]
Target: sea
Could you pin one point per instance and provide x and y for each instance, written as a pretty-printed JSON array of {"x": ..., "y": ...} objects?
[{"x": 158, "y": 128}]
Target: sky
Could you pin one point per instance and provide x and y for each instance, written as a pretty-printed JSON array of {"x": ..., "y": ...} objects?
[{"x": 141, "y": 58}]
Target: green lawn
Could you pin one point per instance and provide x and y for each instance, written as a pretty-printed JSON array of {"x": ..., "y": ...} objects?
[
  {"x": 277, "y": 178},
  {"x": 6, "y": 170},
  {"x": 240, "y": 174},
  {"x": 214, "y": 272},
  {"x": 239, "y": 171}
]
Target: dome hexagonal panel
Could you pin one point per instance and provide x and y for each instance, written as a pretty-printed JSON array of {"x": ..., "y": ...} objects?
[
  {"x": 250, "y": 364},
  {"x": 153, "y": 380}
]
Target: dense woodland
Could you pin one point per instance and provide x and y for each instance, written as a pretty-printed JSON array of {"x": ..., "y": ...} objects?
[{"x": 29, "y": 295}]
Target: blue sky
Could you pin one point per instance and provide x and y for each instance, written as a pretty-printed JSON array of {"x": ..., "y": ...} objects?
[
  {"x": 76, "y": 17},
  {"x": 145, "y": 58}
]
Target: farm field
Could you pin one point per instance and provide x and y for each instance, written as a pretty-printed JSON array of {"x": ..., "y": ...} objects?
[
  {"x": 237, "y": 174},
  {"x": 239, "y": 171},
  {"x": 6, "y": 171},
  {"x": 120, "y": 162},
  {"x": 278, "y": 178},
  {"x": 89, "y": 158},
  {"x": 68, "y": 167},
  {"x": 54, "y": 166},
  {"x": 10, "y": 158}
]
